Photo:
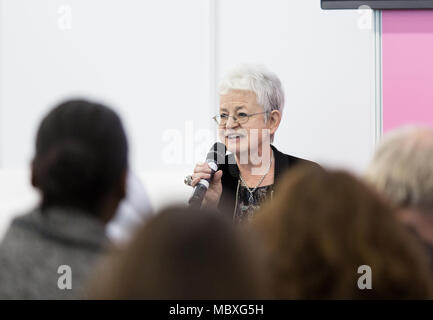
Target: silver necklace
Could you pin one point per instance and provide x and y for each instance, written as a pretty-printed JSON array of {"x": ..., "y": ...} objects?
[{"x": 251, "y": 192}]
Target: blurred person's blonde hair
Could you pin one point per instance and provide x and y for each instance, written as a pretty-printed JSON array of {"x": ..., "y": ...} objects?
[
  {"x": 184, "y": 253},
  {"x": 402, "y": 167},
  {"x": 323, "y": 225}
]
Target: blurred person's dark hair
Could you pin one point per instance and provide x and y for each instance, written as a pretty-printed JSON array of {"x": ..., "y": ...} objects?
[
  {"x": 183, "y": 253},
  {"x": 323, "y": 225},
  {"x": 80, "y": 168},
  {"x": 80, "y": 157}
]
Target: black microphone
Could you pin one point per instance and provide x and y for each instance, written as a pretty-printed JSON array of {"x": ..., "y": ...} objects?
[{"x": 215, "y": 158}]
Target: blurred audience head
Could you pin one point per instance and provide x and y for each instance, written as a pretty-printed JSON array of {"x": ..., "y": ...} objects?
[
  {"x": 183, "y": 253},
  {"x": 323, "y": 225},
  {"x": 81, "y": 158},
  {"x": 402, "y": 168}
]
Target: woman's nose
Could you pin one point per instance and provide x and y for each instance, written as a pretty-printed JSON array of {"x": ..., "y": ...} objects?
[{"x": 231, "y": 123}]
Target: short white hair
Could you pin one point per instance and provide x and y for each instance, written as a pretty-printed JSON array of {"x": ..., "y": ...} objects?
[
  {"x": 258, "y": 79},
  {"x": 402, "y": 167}
]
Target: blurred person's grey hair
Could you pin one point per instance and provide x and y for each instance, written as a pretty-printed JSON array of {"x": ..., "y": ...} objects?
[
  {"x": 402, "y": 167},
  {"x": 258, "y": 79}
]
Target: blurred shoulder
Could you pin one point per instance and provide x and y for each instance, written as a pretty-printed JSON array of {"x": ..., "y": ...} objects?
[{"x": 287, "y": 160}]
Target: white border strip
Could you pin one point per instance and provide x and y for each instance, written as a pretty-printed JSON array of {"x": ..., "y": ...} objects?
[
  {"x": 211, "y": 56},
  {"x": 378, "y": 75}
]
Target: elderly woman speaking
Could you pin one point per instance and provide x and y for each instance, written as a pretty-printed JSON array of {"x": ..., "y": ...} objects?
[{"x": 251, "y": 106}]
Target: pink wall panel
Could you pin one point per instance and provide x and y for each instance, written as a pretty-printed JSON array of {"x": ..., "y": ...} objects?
[{"x": 407, "y": 46}]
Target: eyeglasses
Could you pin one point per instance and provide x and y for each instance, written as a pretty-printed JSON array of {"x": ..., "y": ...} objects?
[{"x": 240, "y": 117}]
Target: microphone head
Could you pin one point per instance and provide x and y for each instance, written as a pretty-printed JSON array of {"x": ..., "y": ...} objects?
[{"x": 217, "y": 153}]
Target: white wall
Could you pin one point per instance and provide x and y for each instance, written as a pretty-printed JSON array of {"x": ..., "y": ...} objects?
[
  {"x": 148, "y": 59},
  {"x": 325, "y": 60},
  {"x": 157, "y": 62}
]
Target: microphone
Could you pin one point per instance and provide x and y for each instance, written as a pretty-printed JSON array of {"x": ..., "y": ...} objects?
[{"x": 215, "y": 157}]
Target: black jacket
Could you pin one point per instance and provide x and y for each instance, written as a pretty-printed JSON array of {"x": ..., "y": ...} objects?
[{"x": 230, "y": 177}]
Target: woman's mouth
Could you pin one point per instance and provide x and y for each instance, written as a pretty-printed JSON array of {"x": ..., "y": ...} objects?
[{"x": 234, "y": 136}]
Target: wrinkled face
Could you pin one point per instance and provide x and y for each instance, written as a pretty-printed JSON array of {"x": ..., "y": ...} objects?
[{"x": 247, "y": 137}]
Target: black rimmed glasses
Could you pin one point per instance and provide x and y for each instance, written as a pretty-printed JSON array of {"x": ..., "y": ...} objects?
[{"x": 240, "y": 117}]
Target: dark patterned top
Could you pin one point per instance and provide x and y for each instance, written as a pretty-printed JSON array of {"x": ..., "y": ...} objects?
[{"x": 247, "y": 205}]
